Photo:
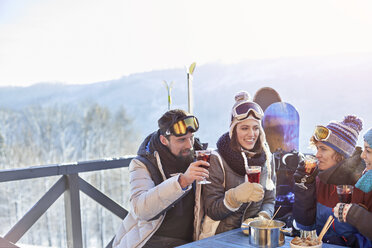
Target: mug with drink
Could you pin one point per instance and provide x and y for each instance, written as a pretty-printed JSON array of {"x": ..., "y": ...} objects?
[{"x": 204, "y": 155}]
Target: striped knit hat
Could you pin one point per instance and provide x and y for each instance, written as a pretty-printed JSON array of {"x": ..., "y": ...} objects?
[{"x": 344, "y": 135}]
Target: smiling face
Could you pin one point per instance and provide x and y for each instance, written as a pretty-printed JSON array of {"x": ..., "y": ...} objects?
[
  {"x": 180, "y": 147},
  {"x": 326, "y": 156},
  {"x": 247, "y": 133},
  {"x": 367, "y": 156}
]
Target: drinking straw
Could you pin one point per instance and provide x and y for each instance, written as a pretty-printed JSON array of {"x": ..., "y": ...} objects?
[
  {"x": 268, "y": 224},
  {"x": 326, "y": 227}
]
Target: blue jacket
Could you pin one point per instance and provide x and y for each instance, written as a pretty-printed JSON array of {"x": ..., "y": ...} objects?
[{"x": 313, "y": 206}]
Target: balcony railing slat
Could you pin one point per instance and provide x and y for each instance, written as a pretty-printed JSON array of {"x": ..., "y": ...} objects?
[
  {"x": 62, "y": 169},
  {"x": 30, "y": 218},
  {"x": 102, "y": 199},
  {"x": 28, "y": 173},
  {"x": 72, "y": 211},
  {"x": 6, "y": 243},
  {"x": 70, "y": 184},
  {"x": 109, "y": 245}
]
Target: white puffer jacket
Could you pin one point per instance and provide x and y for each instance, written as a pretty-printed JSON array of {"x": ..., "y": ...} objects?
[{"x": 147, "y": 201}]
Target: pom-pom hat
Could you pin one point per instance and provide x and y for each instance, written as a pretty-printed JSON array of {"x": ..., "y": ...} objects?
[
  {"x": 342, "y": 136},
  {"x": 244, "y": 109}
]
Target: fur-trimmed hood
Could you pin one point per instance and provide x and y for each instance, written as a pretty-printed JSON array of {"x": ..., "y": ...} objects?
[{"x": 347, "y": 171}]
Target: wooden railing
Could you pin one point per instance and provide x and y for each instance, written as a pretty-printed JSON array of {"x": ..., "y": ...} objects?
[{"x": 70, "y": 184}]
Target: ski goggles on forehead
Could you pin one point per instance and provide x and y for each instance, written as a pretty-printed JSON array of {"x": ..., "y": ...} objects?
[
  {"x": 181, "y": 127},
  {"x": 322, "y": 133},
  {"x": 243, "y": 110}
]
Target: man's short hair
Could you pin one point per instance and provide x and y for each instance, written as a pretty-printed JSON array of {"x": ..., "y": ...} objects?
[{"x": 169, "y": 118}]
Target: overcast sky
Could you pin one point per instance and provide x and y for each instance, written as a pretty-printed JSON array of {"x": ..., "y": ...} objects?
[{"x": 86, "y": 41}]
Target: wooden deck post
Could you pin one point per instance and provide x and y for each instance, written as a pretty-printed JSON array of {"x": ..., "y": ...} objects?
[{"x": 72, "y": 212}]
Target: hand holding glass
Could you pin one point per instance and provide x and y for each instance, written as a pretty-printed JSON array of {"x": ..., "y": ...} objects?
[
  {"x": 204, "y": 155},
  {"x": 310, "y": 163}
]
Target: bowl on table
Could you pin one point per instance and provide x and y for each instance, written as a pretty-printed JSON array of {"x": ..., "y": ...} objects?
[{"x": 298, "y": 242}]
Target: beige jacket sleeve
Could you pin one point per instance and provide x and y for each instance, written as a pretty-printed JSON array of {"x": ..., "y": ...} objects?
[{"x": 146, "y": 199}]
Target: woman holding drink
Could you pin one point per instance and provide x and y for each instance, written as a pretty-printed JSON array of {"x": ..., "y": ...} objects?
[
  {"x": 233, "y": 196},
  {"x": 339, "y": 163},
  {"x": 360, "y": 215}
]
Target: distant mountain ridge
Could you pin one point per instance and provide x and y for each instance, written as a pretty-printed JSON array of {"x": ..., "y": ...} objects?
[{"x": 321, "y": 88}]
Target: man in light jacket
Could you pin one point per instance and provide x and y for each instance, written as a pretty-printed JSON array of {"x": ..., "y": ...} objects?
[{"x": 165, "y": 202}]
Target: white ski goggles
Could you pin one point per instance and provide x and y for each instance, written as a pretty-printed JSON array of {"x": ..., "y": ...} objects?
[{"x": 242, "y": 111}]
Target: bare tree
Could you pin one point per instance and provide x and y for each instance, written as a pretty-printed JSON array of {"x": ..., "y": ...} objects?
[{"x": 58, "y": 134}]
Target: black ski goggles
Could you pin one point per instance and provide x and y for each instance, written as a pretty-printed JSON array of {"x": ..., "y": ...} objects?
[
  {"x": 181, "y": 127},
  {"x": 243, "y": 110},
  {"x": 322, "y": 133}
]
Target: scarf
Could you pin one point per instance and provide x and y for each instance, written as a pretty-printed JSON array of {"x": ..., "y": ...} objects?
[
  {"x": 171, "y": 164},
  {"x": 365, "y": 182},
  {"x": 348, "y": 171}
]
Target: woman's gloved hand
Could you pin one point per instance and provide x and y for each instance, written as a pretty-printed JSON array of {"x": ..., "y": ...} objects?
[
  {"x": 243, "y": 193},
  {"x": 261, "y": 216},
  {"x": 245, "y": 224},
  {"x": 264, "y": 215},
  {"x": 340, "y": 211}
]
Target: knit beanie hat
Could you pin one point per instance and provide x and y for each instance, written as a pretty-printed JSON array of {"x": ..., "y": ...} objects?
[
  {"x": 254, "y": 112},
  {"x": 344, "y": 135},
  {"x": 368, "y": 137}
]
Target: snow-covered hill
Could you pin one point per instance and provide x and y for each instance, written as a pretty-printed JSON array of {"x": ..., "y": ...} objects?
[{"x": 321, "y": 88}]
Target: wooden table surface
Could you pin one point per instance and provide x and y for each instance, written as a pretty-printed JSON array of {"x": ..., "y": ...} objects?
[{"x": 234, "y": 239}]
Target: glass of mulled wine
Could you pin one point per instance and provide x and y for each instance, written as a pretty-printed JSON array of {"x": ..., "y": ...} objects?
[
  {"x": 310, "y": 163},
  {"x": 253, "y": 173},
  {"x": 344, "y": 193},
  {"x": 204, "y": 155}
]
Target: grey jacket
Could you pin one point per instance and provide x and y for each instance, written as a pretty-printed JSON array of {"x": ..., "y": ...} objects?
[{"x": 213, "y": 196}]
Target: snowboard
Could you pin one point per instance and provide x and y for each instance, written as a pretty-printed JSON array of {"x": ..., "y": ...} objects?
[
  {"x": 266, "y": 96},
  {"x": 281, "y": 123}
]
